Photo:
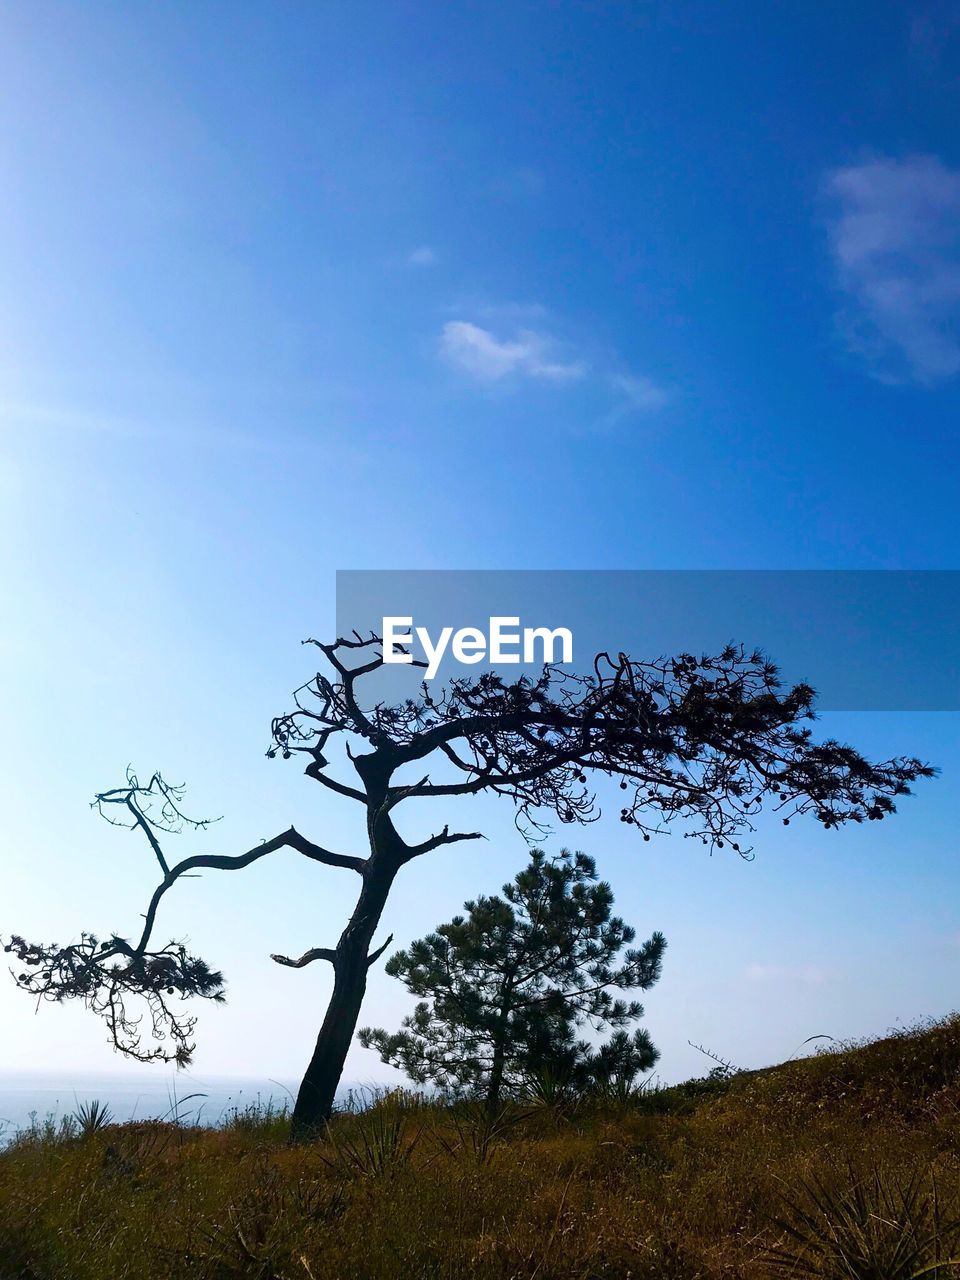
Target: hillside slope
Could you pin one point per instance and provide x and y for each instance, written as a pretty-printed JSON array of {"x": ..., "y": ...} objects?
[{"x": 841, "y": 1156}]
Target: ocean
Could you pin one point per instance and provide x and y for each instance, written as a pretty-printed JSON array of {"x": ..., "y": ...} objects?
[{"x": 197, "y": 1099}]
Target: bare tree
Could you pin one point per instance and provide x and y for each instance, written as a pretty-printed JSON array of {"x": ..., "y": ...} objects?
[{"x": 707, "y": 740}]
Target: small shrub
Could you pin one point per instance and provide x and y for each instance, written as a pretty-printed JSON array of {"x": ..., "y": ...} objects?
[
  {"x": 48, "y": 1132},
  {"x": 480, "y": 1130},
  {"x": 877, "y": 1229},
  {"x": 92, "y": 1117},
  {"x": 371, "y": 1144}
]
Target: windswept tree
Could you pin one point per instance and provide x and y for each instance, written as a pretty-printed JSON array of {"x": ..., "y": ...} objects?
[
  {"x": 507, "y": 987},
  {"x": 705, "y": 740}
]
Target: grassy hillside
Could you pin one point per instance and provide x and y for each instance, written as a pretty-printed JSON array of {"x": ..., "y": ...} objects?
[{"x": 848, "y": 1163}]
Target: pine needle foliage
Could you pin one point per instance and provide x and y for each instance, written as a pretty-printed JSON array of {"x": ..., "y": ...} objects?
[{"x": 507, "y": 987}]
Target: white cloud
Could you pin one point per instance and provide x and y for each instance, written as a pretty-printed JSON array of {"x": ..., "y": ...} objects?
[
  {"x": 529, "y": 354},
  {"x": 638, "y": 391},
  {"x": 422, "y": 256},
  {"x": 895, "y": 237},
  {"x": 506, "y": 349},
  {"x": 629, "y": 395}
]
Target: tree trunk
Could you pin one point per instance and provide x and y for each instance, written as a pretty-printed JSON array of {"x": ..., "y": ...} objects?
[
  {"x": 319, "y": 1086},
  {"x": 495, "y": 1083},
  {"x": 499, "y": 1060}
]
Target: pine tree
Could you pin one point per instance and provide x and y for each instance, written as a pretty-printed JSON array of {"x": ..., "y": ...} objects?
[{"x": 505, "y": 988}]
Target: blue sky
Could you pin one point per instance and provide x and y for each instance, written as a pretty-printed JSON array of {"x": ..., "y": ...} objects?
[{"x": 291, "y": 289}]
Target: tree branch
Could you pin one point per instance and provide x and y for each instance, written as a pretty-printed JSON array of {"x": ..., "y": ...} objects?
[
  {"x": 308, "y": 957},
  {"x": 374, "y": 956},
  {"x": 315, "y": 770},
  {"x": 291, "y": 838},
  {"x": 442, "y": 838},
  {"x": 144, "y": 825}
]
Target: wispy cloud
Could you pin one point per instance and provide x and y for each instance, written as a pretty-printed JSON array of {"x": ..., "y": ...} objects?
[
  {"x": 895, "y": 238},
  {"x": 631, "y": 394},
  {"x": 528, "y": 354},
  {"x": 639, "y": 392},
  {"x": 423, "y": 256},
  {"x": 507, "y": 351}
]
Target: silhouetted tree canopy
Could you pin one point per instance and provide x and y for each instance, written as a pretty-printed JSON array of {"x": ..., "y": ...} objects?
[
  {"x": 703, "y": 740},
  {"x": 507, "y": 986}
]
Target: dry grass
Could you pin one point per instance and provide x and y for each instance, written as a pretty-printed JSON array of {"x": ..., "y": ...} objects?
[{"x": 753, "y": 1177}]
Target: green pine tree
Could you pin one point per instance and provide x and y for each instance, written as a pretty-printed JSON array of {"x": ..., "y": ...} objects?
[{"x": 505, "y": 988}]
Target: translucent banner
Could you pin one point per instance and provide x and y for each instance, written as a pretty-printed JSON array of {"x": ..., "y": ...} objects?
[{"x": 865, "y": 640}]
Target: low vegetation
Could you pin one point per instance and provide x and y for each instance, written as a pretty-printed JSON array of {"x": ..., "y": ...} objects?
[{"x": 843, "y": 1165}]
